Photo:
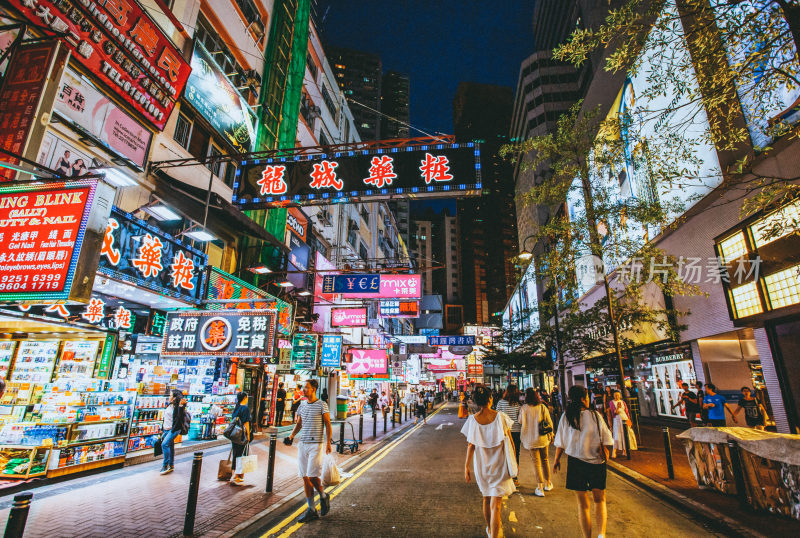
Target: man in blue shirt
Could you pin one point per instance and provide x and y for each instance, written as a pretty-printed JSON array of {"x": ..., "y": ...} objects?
[{"x": 716, "y": 405}]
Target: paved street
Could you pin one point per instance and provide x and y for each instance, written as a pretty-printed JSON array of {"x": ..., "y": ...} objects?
[{"x": 416, "y": 488}]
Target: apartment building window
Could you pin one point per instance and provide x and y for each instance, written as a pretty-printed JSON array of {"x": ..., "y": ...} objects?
[
  {"x": 323, "y": 139},
  {"x": 251, "y": 16},
  {"x": 352, "y": 237},
  {"x": 216, "y": 166},
  {"x": 365, "y": 214},
  {"x": 312, "y": 67},
  {"x": 329, "y": 103},
  {"x": 183, "y": 131},
  {"x": 362, "y": 251}
]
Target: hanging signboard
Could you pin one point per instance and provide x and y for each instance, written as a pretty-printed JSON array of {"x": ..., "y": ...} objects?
[
  {"x": 299, "y": 253},
  {"x": 368, "y": 362},
  {"x": 374, "y": 286},
  {"x": 101, "y": 310},
  {"x": 392, "y": 308},
  {"x": 297, "y": 223},
  {"x": 120, "y": 45},
  {"x": 212, "y": 94},
  {"x": 349, "y": 317},
  {"x": 140, "y": 254},
  {"x": 451, "y": 340},
  {"x": 304, "y": 351},
  {"x": 438, "y": 170},
  {"x": 50, "y": 237},
  {"x": 238, "y": 333},
  {"x": 331, "y": 351}
]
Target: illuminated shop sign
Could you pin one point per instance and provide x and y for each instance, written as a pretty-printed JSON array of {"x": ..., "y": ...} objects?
[
  {"x": 120, "y": 45},
  {"x": 218, "y": 101},
  {"x": 451, "y": 340},
  {"x": 399, "y": 309},
  {"x": 367, "y": 362},
  {"x": 415, "y": 171},
  {"x": 49, "y": 239},
  {"x": 297, "y": 223},
  {"x": 238, "y": 333},
  {"x": 349, "y": 317},
  {"x": 140, "y": 254},
  {"x": 103, "y": 311},
  {"x": 369, "y": 286},
  {"x": 331, "y": 355},
  {"x": 304, "y": 351}
]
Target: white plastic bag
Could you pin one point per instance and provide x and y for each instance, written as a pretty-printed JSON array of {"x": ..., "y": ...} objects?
[
  {"x": 246, "y": 463},
  {"x": 330, "y": 472}
]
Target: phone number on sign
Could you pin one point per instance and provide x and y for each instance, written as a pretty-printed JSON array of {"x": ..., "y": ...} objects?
[{"x": 37, "y": 282}]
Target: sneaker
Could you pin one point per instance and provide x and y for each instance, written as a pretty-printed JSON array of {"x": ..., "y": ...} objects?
[
  {"x": 539, "y": 492},
  {"x": 171, "y": 468},
  {"x": 548, "y": 486},
  {"x": 166, "y": 470},
  {"x": 308, "y": 516},
  {"x": 324, "y": 504}
]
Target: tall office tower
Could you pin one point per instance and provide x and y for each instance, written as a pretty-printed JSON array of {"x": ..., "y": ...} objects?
[
  {"x": 359, "y": 75},
  {"x": 436, "y": 247},
  {"x": 394, "y": 105},
  {"x": 487, "y": 224}
]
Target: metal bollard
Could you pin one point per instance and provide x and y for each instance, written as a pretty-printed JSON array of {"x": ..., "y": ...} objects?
[
  {"x": 340, "y": 450},
  {"x": 361, "y": 428},
  {"x": 18, "y": 515},
  {"x": 394, "y": 410},
  {"x": 191, "y": 503},
  {"x": 374, "y": 426},
  {"x": 668, "y": 453},
  {"x": 738, "y": 475},
  {"x": 384, "y": 422},
  {"x": 625, "y": 432},
  {"x": 406, "y": 411},
  {"x": 273, "y": 441}
]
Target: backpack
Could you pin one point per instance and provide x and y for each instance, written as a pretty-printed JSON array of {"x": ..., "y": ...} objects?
[{"x": 187, "y": 422}]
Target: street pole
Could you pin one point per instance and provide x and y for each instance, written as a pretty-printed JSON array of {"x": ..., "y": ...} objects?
[
  {"x": 18, "y": 515},
  {"x": 191, "y": 503},
  {"x": 273, "y": 441}
]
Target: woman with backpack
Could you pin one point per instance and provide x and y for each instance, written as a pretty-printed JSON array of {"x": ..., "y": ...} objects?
[
  {"x": 535, "y": 435},
  {"x": 241, "y": 415},
  {"x": 583, "y": 435},
  {"x": 174, "y": 417}
]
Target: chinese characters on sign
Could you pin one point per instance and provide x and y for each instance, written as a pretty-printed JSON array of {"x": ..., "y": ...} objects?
[
  {"x": 242, "y": 333},
  {"x": 451, "y": 340},
  {"x": 331, "y": 351},
  {"x": 399, "y": 309},
  {"x": 304, "y": 351},
  {"x": 223, "y": 286},
  {"x": 349, "y": 317}
]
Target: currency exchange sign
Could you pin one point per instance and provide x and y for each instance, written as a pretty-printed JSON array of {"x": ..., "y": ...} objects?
[{"x": 239, "y": 333}]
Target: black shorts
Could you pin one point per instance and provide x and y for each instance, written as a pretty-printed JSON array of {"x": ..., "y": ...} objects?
[
  {"x": 717, "y": 422},
  {"x": 753, "y": 422},
  {"x": 420, "y": 411},
  {"x": 582, "y": 476}
]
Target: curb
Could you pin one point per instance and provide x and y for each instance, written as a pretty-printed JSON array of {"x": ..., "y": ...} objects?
[{"x": 683, "y": 502}]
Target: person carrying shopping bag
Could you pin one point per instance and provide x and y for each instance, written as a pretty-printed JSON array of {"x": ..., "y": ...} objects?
[
  {"x": 174, "y": 418},
  {"x": 241, "y": 416},
  {"x": 535, "y": 435}
]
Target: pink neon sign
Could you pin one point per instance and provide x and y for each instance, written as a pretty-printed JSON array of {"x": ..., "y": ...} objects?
[
  {"x": 349, "y": 317},
  {"x": 395, "y": 287},
  {"x": 368, "y": 361}
]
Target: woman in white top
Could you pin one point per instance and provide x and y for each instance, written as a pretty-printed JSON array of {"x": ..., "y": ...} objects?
[
  {"x": 510, "y": 405},
  {"x": 531, "y": 415},
  {"x": 486, "y": 431},
  {"x": 619, "y": 415},
  {"x": 584, "y": 436}
]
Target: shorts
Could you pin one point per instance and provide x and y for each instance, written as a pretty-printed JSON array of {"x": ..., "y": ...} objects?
[
  {"x": 717, "y": 422},
  {"x": 582, "y": 476},
  {"x": 753, "y": 422},
  {"x": 420, "y": 411},
  {"x": 309, "y": 460}
]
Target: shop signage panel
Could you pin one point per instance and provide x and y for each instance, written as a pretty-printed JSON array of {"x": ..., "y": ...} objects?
[
  {"x": 438, "y": 170},
  {"x": 371, "y": 286},
  {"x": 356, "y": 283},
  {"x": 21, "y": 95},
  {"x": 331, "y": 351},
  {"x": 297, "y": 223},
  {"x": 218, "y": 101},
  {"x": 120, "y": 45},
  {"x": 368, "y": 362},
  {"x": 50, "y": 237},
  {"x": 451, "y": 340},
  {"x": 222, "y": 285},
  {"x": 63, "y": 157},
  {"x": 102, "y": 311},
  {"x": 349, "y": 317},
  {"x": 238, "y": 333},
  {"x": 140, "y": 254},
  {"x": 299, "y": 253},
  {"x": 474, "y": 370},
  {"x": 399, "y": 309},
  {"x": 90, "y": 111},
  {"x": 304, "y": 351}
]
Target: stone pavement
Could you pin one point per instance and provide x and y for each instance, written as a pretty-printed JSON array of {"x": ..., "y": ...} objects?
[
  {"x": 138, "y": 501},
  {"x": 416, "y": 487}
]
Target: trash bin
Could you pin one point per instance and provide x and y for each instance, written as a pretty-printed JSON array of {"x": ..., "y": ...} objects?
[{"x": 341, "y": 407}]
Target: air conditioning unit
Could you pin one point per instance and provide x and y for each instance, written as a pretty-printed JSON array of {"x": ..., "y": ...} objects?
[
  {"x": 324, "y": 218},
  {"x": 253, "y": 77}
]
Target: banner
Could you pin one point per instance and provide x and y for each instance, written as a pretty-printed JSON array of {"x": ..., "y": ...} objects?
[
  {"x": 371, "y": 286},
  {"x": 440, "y": 170},
  {"x": 399, "y": 309},
  {"x": 121, "y": 46},
  {"x": 368, "y": 362},
  {"x": 331, "y": 351},
  {"x": 304, "y": 351},
  {"x": 238, "y": 333},
  {"x": 349, "y": 317}
]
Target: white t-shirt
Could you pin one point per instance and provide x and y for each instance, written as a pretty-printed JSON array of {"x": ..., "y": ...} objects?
[{"x": 584, "y": 444}]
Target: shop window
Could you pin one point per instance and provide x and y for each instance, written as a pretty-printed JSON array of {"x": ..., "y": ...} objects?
[
  {"x": 785, "y": 220},
  {"x": 733, "y": 247},
  {"x": 183, "y": 131},
  {"x": 216, "y": 167},
  {"x": 783, "y": 287},
  {"x": 745, "y": 300}
]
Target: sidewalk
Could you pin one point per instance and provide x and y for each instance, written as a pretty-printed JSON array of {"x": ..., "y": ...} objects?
[
  {"x": 648, "y": 467},
  {"x": 137, "y": 501}
]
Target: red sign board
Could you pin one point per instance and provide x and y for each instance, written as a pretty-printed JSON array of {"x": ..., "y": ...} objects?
[
  {"x": 118, "y": 43},
  {"x": 41, "y": 232},
  {"x": 475, "y": 370},
  {"x": 349, "y": 317},
  {"x": 19, "y": 100},
  {"x": 297, "y": 223}
]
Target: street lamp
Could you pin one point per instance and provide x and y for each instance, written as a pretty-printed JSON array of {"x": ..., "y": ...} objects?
[{"x": 526, "y": 254}]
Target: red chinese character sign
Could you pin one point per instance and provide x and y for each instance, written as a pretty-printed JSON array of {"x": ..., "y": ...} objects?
[
  {"x": 438, "y": 170},
  {"x": 140, "y": 254}
]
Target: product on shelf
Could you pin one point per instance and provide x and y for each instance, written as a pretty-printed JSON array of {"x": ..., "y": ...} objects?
[
  {"x": 6, "y": 354},
  {"x": 22, "y": 461},
  {"x": 89, "y": 453},
  {"x": 35, "y": 361},
  {"x": 77, "y": 358}
]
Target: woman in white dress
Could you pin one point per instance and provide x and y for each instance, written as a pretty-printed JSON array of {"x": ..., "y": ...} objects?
[
  {"x": 530, "y": 415},
  {"x": 486, "y": 431},
  {"x": 619, "y": 415}
]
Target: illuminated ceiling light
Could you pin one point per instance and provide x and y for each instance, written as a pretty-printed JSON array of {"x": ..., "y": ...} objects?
[
  {"x": 304, "y": 293},
  {"x": 117, "y": 178},
  {"x": 260, "y": 270},
  {"x": 200, "y": 235},
  {"x": 162, "y": 212},
  {"x": 285, "y": 284}
]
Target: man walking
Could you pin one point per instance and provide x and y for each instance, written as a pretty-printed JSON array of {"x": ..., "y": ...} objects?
[
  {"x": 373, "y": 401},
  {"x": 690, "y": 405},
  {"x": 312, "y": 416},
  {"x": 716, "y": 405},
  {"x": 280, "y": 405}
]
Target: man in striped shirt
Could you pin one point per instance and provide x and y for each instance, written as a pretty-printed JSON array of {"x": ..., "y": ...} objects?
[{"x": 312, "y": 417}]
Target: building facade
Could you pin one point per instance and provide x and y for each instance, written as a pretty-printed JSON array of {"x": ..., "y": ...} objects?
[{"x": 360, "y": 75}]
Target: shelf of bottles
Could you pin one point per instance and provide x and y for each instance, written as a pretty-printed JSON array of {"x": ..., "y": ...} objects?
[{"x": 146, "y": 423}]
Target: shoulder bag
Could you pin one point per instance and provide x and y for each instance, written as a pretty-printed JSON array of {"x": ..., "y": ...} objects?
[
  {"x": 545, "y": 426},
  {"x": 510, "y": 452},
  {"x": 603, "y": 453},
  {"x": 235, "y": 432}
]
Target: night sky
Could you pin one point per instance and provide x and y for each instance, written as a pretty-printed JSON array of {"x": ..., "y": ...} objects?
[{"x": 439, "y": 43}]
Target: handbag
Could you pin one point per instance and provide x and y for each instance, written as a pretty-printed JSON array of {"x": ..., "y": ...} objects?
[
  {"x": 225, "y": 471},
  {"x": 603, "y": 453},
  {"x": 235, "y": 432},
  {"x": 545, "y": 426},
  {"x": 246, "y": 463},
  {"x": 157, "y": 450},
  {"x": 511, "y": 453}
]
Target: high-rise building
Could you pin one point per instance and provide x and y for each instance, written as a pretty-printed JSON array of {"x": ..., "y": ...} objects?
[
  {"x": 436, "y": 248},
  {"x": 359, "y": 75},
  {"x": 487, "y": 224},
  {"x": 395, "y": 105}
]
